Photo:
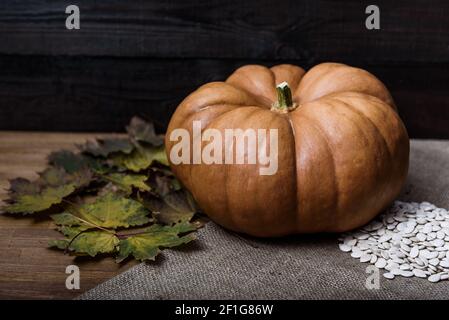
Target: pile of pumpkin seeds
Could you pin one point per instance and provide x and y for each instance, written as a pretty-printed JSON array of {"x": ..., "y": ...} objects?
[{"x": 410, "y": 240}]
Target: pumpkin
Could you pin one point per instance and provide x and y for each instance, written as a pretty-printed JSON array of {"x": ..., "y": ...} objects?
[{"x": 343, "y": 151}]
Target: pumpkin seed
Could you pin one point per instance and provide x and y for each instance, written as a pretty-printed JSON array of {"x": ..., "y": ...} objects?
[
  {"x": 388, "y": 275},
  {"x": 396, "y": 272},
  {"x": 434, "y": 278},
  {"x": 409, "y": 239},
  {"x": 381, "y": 263},
  {"x": 444, "y": 263},
  {"x": 406, "y": 273},
  {"x": 414, "y": 252},
  {"x": 365, "y": 257},
  {"x": 434, "y": 261},
  {"x": 421, "y": 237},
  {"x": 419, "y": 273},
  {"x": 344, "y": 247}
]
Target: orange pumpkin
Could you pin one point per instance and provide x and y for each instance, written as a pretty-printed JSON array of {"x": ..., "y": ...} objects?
[{"x": 342, "y": 157}]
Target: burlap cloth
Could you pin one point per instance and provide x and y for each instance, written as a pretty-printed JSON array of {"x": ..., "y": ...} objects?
[{"x": 222, "y": 265}]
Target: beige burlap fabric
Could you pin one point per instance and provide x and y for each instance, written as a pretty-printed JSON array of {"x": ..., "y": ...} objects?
[{"x": 221, "y": 265}]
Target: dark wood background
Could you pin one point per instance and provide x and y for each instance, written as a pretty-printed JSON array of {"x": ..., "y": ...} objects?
[{"x": 143, "y": 57}]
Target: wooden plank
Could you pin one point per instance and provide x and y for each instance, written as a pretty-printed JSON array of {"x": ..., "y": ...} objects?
[
  {"x": 28, "y": 269},
  {"x": 411, "y": 30},
  {"x": 102, "y": 94}
]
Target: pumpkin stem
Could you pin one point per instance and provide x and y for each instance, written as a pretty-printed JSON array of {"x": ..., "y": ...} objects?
[{"x": 284, "y": 96}]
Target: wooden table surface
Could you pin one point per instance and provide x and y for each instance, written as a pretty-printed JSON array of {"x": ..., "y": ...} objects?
[{"x": 28, "y": 269}]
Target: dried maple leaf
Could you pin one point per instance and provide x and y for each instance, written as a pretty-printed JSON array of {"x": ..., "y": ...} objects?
[
  {"x": 66, "y": 219},
  {"x": 42, "y": 200},
  {"x": 127, "y": 182},
  {"x": 88, "y": 242},
  {"x": 113, "y": 211},
  {"x": 77, "y": 163},
  {"x": 140, "y": 159},
  {"x": 53, "y": 177},
  {"x": 163, "y": 184},
  {"x": 49, "y": 189},
  {"x": 105, "y": 147},
  {"x": 95, "y": 190},
  {"x": 69, "y": 161},
  {"x": 58, "y": 176},
  {"x": 21, "y": 186},
  {"x": 146, "y": 245},
  {"x": 162, "y": 170},
  {"x": 72, "y": 231},
  {"x": 174, "y": 207},
  {"x": 142, "y": 131},
  {"x": 143, "y": 245}
]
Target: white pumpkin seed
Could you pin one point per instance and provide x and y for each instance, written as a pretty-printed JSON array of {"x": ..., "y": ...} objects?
[
  {"x": 421, "y": 221},
  {"x": 419, "y": 273},
  {"x": 438, "y": 242},
  {"x": 350, "y": 241},
  {"x": 409, "y": 239},
  {"x": 362, "y": 236},
  {"x": 434, "y": 261},
  {"x": 444, "y": 276},
  {"x": 391, "y": 265},
  {"x": 381, "y": 263},
  {"x": 396, "y": 272},
  {"x": 344, "y": 247},
  {"x": 444, "y": 263},
  {"x": 421, "y": 237},
  {"x": 406, "y": 273},
  {"x": 434, "y": 278},
  {"x": 414, "y": 252},
  {"x": 388, "y": 275},
  {"x": 385, "y": 237},
  {"x": 365, "y": 257},
  {"x": 431, "y": 236}
]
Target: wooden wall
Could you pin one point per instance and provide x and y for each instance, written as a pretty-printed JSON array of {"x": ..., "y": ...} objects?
[{"x": 143, "y": 57}]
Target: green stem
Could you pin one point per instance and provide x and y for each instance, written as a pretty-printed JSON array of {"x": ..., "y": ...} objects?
[{"x": 284, "y": 96}]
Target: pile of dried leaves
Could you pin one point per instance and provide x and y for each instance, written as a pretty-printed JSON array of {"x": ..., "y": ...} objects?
[{"x": 115, "y": 196}]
